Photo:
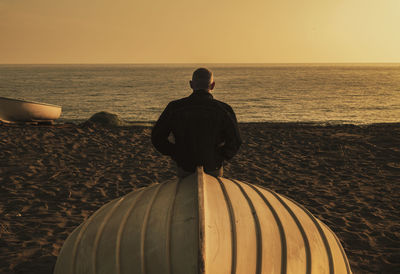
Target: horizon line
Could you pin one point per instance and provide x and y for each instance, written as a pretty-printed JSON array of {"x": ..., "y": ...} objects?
[{"x": 208, "y": 63}]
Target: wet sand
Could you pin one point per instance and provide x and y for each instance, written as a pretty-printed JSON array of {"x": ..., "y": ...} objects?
[{"x": 53, "y": 177}]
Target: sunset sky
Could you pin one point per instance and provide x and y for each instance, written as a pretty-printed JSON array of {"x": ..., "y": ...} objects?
[{"x": 207, "y": 31}]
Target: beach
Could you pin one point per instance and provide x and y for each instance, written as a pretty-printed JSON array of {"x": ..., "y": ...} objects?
[{"x": 53, "y": 177}]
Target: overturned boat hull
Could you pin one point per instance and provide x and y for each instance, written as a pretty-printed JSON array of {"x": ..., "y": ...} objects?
[{"x": 202, "y": 224}]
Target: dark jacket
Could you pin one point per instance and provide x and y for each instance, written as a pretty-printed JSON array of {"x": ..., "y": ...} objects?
[{"x": 205, "y": 132}]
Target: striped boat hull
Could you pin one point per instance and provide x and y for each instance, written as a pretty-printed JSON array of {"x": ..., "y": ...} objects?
[{"x": 202, "y": 224}]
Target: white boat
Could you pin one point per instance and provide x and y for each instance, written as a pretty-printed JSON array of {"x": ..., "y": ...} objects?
[
  {"x": 202, "y": 225},
  {"x": 15, "y": 110}
]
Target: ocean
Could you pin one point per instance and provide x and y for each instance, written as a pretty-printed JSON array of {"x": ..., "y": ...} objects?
[{"x": 317, "y": 93}]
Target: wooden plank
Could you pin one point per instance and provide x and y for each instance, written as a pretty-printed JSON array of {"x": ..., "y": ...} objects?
[{"x": 219, "y": 229}]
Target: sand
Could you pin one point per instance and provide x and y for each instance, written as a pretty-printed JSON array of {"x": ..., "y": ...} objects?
[{"x": 53, "y": 177}]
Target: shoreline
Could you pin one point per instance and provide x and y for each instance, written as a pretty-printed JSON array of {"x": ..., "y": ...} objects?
[
  {"x": 52, "y": 177},
  {"x": 81, "y": 122}
]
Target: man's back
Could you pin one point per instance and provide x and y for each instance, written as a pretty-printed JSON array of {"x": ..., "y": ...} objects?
[{"x": 205, "y": 132}]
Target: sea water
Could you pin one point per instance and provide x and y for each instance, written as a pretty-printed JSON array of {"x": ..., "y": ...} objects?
[{"x": 321, "y": 93}]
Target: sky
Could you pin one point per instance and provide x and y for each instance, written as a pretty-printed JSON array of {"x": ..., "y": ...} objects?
[{"x": 207, "y": 31}]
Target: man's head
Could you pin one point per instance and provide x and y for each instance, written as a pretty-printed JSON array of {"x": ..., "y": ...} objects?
[{"x": 202, "y": 79}]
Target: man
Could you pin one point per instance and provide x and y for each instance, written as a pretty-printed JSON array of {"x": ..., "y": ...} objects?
[{"x": 204, "y": 130}]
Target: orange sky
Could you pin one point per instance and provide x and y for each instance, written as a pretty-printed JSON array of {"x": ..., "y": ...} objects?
[{"x": 207, "y": 31}]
